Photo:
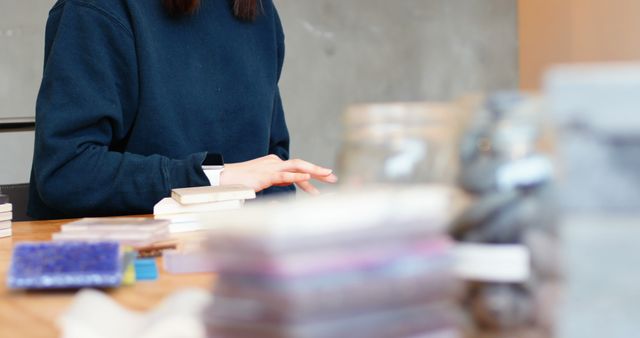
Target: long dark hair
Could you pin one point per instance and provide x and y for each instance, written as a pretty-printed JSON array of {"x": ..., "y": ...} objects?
[{"x": 242, "y": 9}]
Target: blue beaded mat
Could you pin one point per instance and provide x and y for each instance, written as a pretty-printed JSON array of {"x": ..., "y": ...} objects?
[{"x": 65, "y": 265}]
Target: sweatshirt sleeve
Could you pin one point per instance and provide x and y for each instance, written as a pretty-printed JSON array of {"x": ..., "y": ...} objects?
[
  {"x": 87, "y": 104},
  {"x": 279, "y": 139}
]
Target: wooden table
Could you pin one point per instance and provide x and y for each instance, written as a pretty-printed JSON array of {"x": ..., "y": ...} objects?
[
  {"x": 30, "y": 314},
  {"x": 34, "y": 314}
]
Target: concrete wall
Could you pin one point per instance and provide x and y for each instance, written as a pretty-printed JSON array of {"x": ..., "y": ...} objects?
[
  {"x": 22, "y": 25},
  {"x": 339, "y": 52},
  {"x": 21, "y": 52},
  {"x": 346, "y": 51}
]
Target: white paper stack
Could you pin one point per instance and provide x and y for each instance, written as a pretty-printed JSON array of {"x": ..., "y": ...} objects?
[
  {"x": 186, "y": 205},
  {"x": 6, "y": 215}
]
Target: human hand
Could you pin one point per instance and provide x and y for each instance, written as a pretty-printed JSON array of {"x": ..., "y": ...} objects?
[{"x": 268, "y": 171}]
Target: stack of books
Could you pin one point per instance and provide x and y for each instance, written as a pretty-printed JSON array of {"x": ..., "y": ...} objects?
[
  {"x": 6, "y": 215},
  {"x": 186, "y": 206},
  {"x": 135, "y": 232},
  {"x": 375, "y": 265}
]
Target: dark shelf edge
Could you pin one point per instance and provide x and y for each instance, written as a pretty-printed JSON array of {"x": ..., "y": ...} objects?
[{"x": 17, "y": 126}]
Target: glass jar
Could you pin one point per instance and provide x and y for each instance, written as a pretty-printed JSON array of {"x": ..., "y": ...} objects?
[
  {"x": 398, "y": 143},
  {"x": 509, "y": 174}
]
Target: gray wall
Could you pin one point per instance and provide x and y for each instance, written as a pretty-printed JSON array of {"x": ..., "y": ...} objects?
[
  {"x": 346, "y": 51},
  {"x": 21, "y": 52},
  {"x": 339, "y": 52}
]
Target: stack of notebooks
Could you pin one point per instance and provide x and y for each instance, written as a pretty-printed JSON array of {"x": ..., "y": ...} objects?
[
  {"x": 134, "y": 232},
  {"x": 186, "y": 206},
  {"x": 372, "y": 266},
  {"x": 6, "y": 215}
]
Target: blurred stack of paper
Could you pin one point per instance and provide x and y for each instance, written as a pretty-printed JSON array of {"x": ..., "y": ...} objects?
[
  {"x": 6, "y": 215},
  {"x": 190, "y": 256},
  {"x": 373, "y": 265},
  {"x": 186, "y": 205},
  {"x": 136, "y": 232}
]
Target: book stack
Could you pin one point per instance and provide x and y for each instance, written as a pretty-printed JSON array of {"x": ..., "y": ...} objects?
[
  {"x": 375, "y": 265},
  {"x": 6, "y": 215},
  {"x": 186, "y": 206},
  {"x": 135, "y": 232}
]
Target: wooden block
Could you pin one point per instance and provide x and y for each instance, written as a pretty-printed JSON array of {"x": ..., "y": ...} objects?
[{"x": 212, "y": 194}]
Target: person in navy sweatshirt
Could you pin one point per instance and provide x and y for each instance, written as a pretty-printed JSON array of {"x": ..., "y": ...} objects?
[{"x": 136, "y": 94}]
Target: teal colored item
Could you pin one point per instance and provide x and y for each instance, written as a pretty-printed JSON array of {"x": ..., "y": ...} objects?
[{"x": 146, "y": 269}]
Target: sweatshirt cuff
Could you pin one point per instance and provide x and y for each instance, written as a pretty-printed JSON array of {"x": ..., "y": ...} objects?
[{"x": 186, "y": 173}]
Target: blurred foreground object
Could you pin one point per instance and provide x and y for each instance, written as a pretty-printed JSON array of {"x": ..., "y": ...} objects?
[
  {"x": 511, "y": 259},
  {"x": 371, "y": 264},
  {"x": 398, "y": 143},
  {"x": 94, "y": 314},
  {"x": 65, "y": 265},
  {"x": 597, "y": 110}
]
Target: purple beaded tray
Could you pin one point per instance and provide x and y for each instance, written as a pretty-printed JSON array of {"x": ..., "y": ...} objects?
[{"x": 66, "y": 265}]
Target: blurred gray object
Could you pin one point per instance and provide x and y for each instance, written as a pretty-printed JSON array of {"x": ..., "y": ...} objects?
[
  {"x": 597, "y": 111},
  {"x": 602, "y": 253},
  {"x": 510, "y": 177},
  {"x": 399, "y": 143}
]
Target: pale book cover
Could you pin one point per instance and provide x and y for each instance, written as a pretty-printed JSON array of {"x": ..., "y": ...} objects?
[
  {"x": 5, "y": 225},
  {"x": 6, "y": 216},
  {"x": 116, "y": 224},
  {"x": 169, "y": 206},
  {"x": 5, "y": 232},
  {"x": 6, "y": 207},
  {"x": 209, "y": 194}
]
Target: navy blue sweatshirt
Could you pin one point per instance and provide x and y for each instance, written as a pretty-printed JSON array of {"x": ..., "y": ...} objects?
[{"x": 132, "y": 100}]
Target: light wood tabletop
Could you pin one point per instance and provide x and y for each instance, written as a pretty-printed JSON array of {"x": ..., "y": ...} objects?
[{"x": 34, "y": 314}]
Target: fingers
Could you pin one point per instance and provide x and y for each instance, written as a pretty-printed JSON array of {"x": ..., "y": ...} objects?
[
  {"x": 305, "y": 167},
  {"x": 261, "y": 160},
  {"x": 288, "y": 178},
  {"x": 270, "y": 170},
  {"x": 327, "y": 179},
  {"x": 308, "y": 187}
]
